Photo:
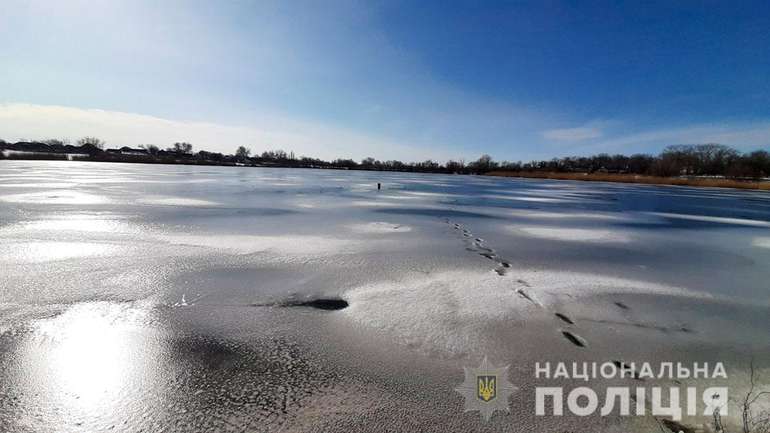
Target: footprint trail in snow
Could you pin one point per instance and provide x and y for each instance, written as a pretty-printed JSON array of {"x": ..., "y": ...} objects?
[{"x": 503, "y": 266}]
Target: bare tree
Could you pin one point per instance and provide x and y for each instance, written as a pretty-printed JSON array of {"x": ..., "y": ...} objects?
[
  {"x": 754, "y": 422},
  {"x": 242, "y": 153},
  {"x": 483, "y": 164},
  {"x": 91, "y": 141},
  {"x": 275, "y": 155},
  {"x": 56, "y": 142},
  {"x": 182, "y": 147},
  {"x": 150, "y": 148}
]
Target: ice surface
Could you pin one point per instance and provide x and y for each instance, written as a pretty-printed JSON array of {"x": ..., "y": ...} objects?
[
  {"x": 148, "y": 298},
  {"x": 177, "y": 201}
]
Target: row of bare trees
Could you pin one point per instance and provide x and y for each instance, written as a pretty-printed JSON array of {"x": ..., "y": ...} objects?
[{"x": 679, "y": 160}]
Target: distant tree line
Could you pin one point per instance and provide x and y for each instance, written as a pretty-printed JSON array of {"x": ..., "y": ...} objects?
[{"x": 679, "y": 160}]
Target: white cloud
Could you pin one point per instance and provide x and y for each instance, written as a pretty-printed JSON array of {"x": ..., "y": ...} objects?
[
  {"x": 749, "y": 134},
  {"x": 35, "y": 122},
  {"x": 745, "y": 136},
  {"x": 573, "y": 134},
  {"x": 311, "y": 138},
  {"x": 624, "y": 137}
]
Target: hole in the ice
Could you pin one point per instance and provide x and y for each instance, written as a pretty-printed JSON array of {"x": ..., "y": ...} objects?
[{"x": 321, "y": 304}]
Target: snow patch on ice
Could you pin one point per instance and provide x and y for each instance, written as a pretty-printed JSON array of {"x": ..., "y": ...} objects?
[
  {"x": 573, "y": 234},
  {"x": 380, "y": 228},
  {"x": 761, "y": 242},
  {"x": 369, "y": 203},
  {"x": 566, "y": 215},
  {"x": 448, "y": 313},
  {"x": 528, "y": 199},
  {"x": 38, "y": 185},
  {"x": 177, "y": 201},
  {"x": 250, "y": 244},
  {"x": 443, "y": 313},
  {"x": 55, "y": 197},
  {"x": 77, "y": 223},
  {"x": 428, "y": 194},
  {"x": 47, "y": 251},
  {"x": 713, "y": 219}
]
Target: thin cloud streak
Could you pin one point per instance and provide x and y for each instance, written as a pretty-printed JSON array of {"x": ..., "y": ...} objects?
[
  {"x": 573, "y": 134},
  {"x": 37, "y": 122},
  {"x": 744, "y": 136}
]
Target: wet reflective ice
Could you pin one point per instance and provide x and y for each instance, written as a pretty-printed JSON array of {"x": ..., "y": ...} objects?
[{"x": 172, "y": 298}]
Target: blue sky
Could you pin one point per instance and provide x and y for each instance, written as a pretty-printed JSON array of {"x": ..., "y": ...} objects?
[{"x": 389, "y": 79}]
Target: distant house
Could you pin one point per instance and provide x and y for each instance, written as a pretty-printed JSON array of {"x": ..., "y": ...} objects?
[{"x": 125, "y": 150}]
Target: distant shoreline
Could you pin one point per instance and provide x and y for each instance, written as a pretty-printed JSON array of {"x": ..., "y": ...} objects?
[
  {"x": 639, "y": 179},
  {"x": 5, "y": 155},
  {"x": 588, "y": 177},
  {"x": 41, "y": 151},
  {"x": 36, "y": 151}
]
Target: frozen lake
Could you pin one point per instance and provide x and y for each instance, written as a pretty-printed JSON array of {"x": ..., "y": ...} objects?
[{"x": 153, "y": 297}]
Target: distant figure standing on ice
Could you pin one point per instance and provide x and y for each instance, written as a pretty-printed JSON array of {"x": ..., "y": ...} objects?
[{"x": 378, "y": 186}]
